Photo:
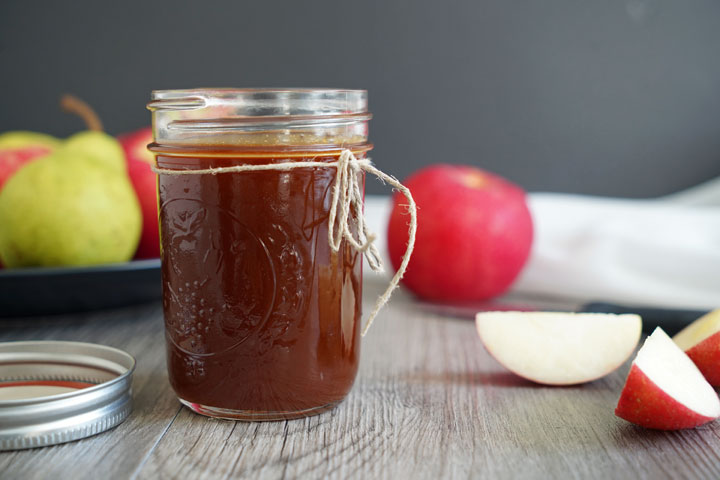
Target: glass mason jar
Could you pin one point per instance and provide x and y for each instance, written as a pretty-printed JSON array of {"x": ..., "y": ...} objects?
[{"x": 262, "y": 317}]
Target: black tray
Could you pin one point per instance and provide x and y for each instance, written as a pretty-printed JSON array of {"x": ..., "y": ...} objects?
[{"x": 46, "y": 291}]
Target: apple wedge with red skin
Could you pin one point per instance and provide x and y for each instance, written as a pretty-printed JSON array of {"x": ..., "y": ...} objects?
[
  {"x": 559, "y": 348},
  {"x": 665, "y": 390},
  {"x": 701, "y": 342}
]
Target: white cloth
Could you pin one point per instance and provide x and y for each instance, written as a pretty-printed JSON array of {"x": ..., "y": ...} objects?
[{"x": 663, "y": 252}]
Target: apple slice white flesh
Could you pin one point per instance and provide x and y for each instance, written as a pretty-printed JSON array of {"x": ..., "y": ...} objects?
[
  {"x": 558, "y": 348},
  {"x": 665, "y": 390},
  {"x": 701, "y": 342}
]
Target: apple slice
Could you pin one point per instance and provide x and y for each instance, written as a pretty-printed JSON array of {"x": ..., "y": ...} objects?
[
  {"x": 665, "y": 390},
  {"x": 557, "y": 348},
  {"x": 701, "y": 341}
]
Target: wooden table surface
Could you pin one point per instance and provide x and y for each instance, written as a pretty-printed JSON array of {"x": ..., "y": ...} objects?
[{"x": 428, "y": 403}]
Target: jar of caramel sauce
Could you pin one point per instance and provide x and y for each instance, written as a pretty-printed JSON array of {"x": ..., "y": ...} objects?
[{"x": 262, "y": 317}]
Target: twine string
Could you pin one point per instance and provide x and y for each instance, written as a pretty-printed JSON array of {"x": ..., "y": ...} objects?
[{"x": 346, "y": 210}]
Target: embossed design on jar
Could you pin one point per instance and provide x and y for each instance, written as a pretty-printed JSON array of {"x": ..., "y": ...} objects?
[
  {"x": 293, "y": 277},
  {"x": 217, "y": 312},
  {"x": 194, "y": 367},
  {"x": 295, "y": 264}
]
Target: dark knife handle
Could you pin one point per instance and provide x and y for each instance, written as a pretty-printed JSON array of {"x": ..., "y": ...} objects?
[{"x": 670, "y": 320}]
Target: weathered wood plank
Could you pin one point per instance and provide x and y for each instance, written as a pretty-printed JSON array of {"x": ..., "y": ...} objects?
[
  {"x": 138, "y": 331},
  {"x": 428, "y": 403}
]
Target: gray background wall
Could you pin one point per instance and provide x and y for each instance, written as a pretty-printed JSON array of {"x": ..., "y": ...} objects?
[{"x": 601, "y": 97}]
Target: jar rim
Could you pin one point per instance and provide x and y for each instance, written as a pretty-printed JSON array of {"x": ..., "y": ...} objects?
[
  {"x": 259, "y": 102},
  {"x": 220, "y": 115},
  {"x": 164, "y": 91}
]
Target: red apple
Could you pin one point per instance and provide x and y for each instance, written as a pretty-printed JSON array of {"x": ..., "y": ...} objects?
[
  {"x": 12, "y": 159},
  {"x": 473, "y": 238},
  {"x": 144, "y": 180},
  {"x": 555, "y": 348},
  {"x": 701, "y": 342},
  {"x": 665, "y": 390}
]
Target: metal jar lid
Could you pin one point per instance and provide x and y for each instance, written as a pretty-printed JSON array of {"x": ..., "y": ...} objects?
[{"x": 57, "y": 392}]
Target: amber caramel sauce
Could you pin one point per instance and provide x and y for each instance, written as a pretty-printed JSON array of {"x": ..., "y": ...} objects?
[{"x": 261, "y": 316}]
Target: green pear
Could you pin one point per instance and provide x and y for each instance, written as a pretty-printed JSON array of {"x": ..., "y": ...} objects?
[
  {"x": 68, "y": 209},
  {"x": 99, "y": 145},
  {"x": 22, "y": 138}
]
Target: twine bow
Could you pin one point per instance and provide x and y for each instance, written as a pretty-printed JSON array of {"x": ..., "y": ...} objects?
[{"x": 346, "y": 210}]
